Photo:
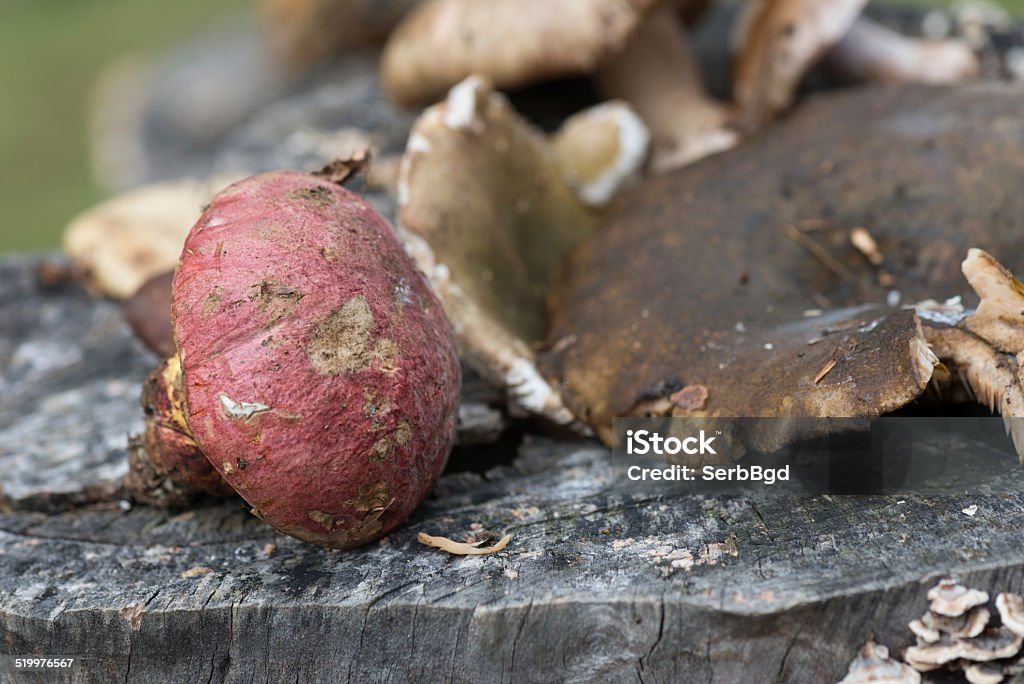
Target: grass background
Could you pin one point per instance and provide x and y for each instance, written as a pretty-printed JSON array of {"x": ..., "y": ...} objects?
[{"x": 51, "y": 52}]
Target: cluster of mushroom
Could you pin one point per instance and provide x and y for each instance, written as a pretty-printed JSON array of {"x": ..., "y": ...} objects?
[
  {"x": 957, "y": 634},
  {"x": 582, "y": 308},
  {"x": 635, "y": 50}
]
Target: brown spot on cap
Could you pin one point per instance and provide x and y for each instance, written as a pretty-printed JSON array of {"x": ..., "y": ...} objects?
[
  {"x": 691, "y": 397},
  {"x": 341, "y": 342}
]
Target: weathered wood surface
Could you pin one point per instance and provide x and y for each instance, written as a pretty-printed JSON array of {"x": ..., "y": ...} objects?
[{"x": 596, "y": 585}]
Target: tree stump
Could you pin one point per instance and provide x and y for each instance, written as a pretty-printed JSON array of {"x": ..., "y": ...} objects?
[{"x": 596, "y": 584}]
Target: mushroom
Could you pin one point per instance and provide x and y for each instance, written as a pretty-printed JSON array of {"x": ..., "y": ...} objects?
[
  {"x": 166, "y": 468},
  {"x": 637, "y": 49},
  {"x": 658, "y": 75},
  {"x": 952, "y": 599},
  {"x": 874, "y": 666},
  {"x": 512, "y": 42},
  {"x": 986, "y": 347},
  {"x": 1011, "y": 612},
  {"x": 318, "y": 373},
  {"x": 121, "y": 243},
  {"x": 983, "y": 673},
  {"x": 871, "y": 52},
  {"x": 778, "y": 41},
  {"x": 992, "y": 644},
  {"x": 967, "y": 624},
  {"x": 688, "y": 285},
  {"x": 148, "y": 312},
  {"x": 488, "y": 215}
]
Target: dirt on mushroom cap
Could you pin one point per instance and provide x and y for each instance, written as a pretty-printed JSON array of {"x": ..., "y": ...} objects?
[
  {"x": 661, "y": 290},
  {"x": 320, "y": 372}
]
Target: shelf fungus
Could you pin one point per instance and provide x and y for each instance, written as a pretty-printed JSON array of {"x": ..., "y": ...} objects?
[
  {"x": 490, "y": 207},
  {"x": 778, "y": 41},
  {"x": 874, "y": 666},
  {"x": 637, "y": 50},
  {"x": 706, "y": 276},
  {"x": 956, "y": 633}
]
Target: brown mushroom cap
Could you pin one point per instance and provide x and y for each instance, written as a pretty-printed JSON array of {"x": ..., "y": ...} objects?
[
  {"x": 512, "y": 42},
  {"x": 148, "y": 312},
  {"x": 701, "y": 277}
]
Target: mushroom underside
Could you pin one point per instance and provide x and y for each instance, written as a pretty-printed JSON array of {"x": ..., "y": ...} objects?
[{"x": 742, "y": 274}]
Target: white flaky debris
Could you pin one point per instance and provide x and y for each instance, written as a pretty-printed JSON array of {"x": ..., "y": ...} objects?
[
  {"x": 462, "y": 103},
  {"x": 240, "y": 410},
  {"x": 949, "y": 312}
]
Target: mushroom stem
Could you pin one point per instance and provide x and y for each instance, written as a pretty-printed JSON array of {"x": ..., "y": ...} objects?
[
  {"x": 872, "y": 52},
  {"x": 657, "y": 74},
  {"x": 777, "y": 41}
]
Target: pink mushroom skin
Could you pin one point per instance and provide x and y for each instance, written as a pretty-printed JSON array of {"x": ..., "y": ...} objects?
[{"x": 321, "y": 378}]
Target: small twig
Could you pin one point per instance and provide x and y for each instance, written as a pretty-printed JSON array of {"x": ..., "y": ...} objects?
[
  {"x": 461, "y": 548},
  {"x": 825, "y": 371},
  {"x": 819, "y": 252}
]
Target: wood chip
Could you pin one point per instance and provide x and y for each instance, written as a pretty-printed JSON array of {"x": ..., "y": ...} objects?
[
  {"x": 866, "y": 245},
  {"x": 461, "y": 548},
  {"x": 196, "y": 571},
  {"x": 824, "y": 371}
]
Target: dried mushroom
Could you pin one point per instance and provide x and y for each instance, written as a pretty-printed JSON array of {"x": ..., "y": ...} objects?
[
  {"x": 493, "y": 259},
  {"x": 874, "y": 666},
  {"x": 985, "y": 347},
  {"x": 119, "y": 244},
  {"x": 687, "y": 285}
]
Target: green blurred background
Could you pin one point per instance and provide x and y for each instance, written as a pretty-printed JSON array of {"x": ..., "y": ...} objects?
[{"x": 51, "y": 52}]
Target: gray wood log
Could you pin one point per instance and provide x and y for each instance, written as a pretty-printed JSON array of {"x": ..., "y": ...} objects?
[{"x": 598, "y": 584}]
